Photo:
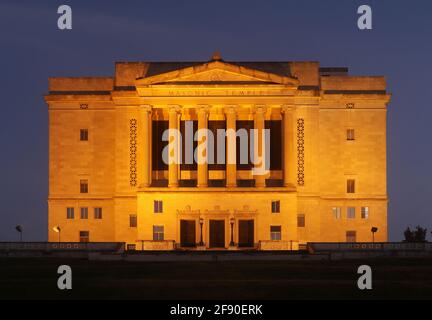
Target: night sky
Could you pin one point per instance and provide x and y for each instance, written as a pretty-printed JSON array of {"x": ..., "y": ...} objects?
[{"x": 32, "y": 49}]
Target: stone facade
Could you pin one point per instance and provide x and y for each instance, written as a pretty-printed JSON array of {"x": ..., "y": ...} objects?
[{"x": 330, "y": 135}]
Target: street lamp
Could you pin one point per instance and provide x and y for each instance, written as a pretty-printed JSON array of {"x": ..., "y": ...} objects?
[
  {"x": 58, "y": 230},
  {"x": 373, "y": 230},
  {"x": 201, "y": 222},
  {"x": 19, "y": 228},
  {"x": 232, "y": 220}
]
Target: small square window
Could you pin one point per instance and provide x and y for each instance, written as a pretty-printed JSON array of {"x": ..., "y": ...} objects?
[
  {"x": 301, "y": 221},
  {"x": 351, "y": 236},
  {"x": 84, "y": 236},
  {"x": 351, "y": 212},
  {"x": 70, "y": 213},
  {"x": 350, "y": 186},
  {"x": 98, "y": 213},
  {"x": 83, "y": 186},
  {"x": 83, "y": 134},
  {"x": 275, "y": 233},
  {"x": 158, "y": 233},
  {"x": 275, "y": 206},
  {"x": 350, "y": 134},
  {"x": 364, "y": 212},
  {"x": 337, "y": 212},
  {"x": 133, "y": 220},
  {"x": 158, "y": 206}
]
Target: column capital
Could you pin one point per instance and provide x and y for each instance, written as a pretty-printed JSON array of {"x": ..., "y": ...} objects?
[
  {"x": 259, "y": 108},
  {"x": 145, "y": 107},
  {"x": 231, "y": 109},
  {"x": 287, "y": 108},
  {"x": 174, "y": 108},
  {"x": 203, "y": 108}
]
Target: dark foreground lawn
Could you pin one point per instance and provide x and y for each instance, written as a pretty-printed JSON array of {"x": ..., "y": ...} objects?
[{"x": 36, "y": 278}]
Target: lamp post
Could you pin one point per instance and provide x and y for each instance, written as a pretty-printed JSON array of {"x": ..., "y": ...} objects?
[
  {"x": 201, "y": 222},
  {"x": 58, "y": 230},
  {"x": 373, "y": 230},
  {"x": 20, "y": 230},
  {"x": 232, "y": 220}
]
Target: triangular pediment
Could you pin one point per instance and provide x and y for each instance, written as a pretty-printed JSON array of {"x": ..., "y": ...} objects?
[{"x": 217, "y": 72}]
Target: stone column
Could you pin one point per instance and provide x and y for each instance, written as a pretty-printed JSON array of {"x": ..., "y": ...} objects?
[
  {"x": 174, "y": 150},
  {"x": 259, "y": 124},
  {"x": 289, "y": 169},
  {"x": 144, "y": 167},
  {"x": 202, "y": 112},
  {"x": 231, "y": 148}
]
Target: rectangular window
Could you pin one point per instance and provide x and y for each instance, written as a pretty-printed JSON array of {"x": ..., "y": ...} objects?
[
  {"x": 275, "y": 206},
  {"x": 83, "y": 186},
  {"x": 301, "y": 221},
  {"x": 98, "y": 213},
  {"x": 158, "y": 233},
  {"x": 84, "y": 236},
  {"x": 351, "y": 236},
  {"x": 133, "y": 221},
  {"x": 275, "y": 233},
  {"x": 364, "y": 212},
  {"x": 84, "y": 213},
  {"x": 337, "y": 212},
  {"x": 131, "y": 247},
  {"x": 70, "y": 213},
  {"x": 83, "y": 134},
  {"x": 350, "y": 134},
  {"x": 351, "y": 212},
  {"x": 158, "y": 206},
  {"x": 350, "y": 186}
]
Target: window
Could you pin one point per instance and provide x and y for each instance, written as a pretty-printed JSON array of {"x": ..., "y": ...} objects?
[
  {"x": 275, "y": 233},
  {"x": 351, "y": 212},
  {"x": 275, "y": 206},
  {"x": 158, "y": 233},
  {"x": 83, "y": 134},
  {"x": 131, "y": 247},
  {"x": 350, "y": 236},
  {"x": 84, "y": 236},
  {"x": 84, "y": 213},
  {"x": 133, "y": 221},
  {"x": 70, "y": 214},
  {"x": 364, "y": 212},
  {"x": 350, "y": 186},
  {"x": 337, "y": 212},
  {"x": 301, "y": 221},
  {"x": 98, "y": 213},
  {"x": 350, "y": 134},
  {"x": 158, "y": 206},
  {"x": 83, "y": 186}
]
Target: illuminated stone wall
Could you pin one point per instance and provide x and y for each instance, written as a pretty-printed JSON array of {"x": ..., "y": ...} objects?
[{"x": 316, "y": 107}]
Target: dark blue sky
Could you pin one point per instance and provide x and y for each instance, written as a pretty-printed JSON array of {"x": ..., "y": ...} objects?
[{"x": 33, "y": 49}]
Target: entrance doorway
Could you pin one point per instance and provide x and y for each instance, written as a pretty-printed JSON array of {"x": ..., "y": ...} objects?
[
  {"x": 187, "y": 233},
  {"x": 217, "y": 234},
  {"x": 246, "y": 233}
]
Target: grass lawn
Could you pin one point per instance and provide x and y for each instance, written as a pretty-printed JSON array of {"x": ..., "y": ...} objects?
[{"x": 36, "y": 278}]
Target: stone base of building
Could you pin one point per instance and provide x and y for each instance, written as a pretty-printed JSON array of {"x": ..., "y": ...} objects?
[
  {"x": 278, "y": 245},
  {"x": 152, "y": 245}
]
